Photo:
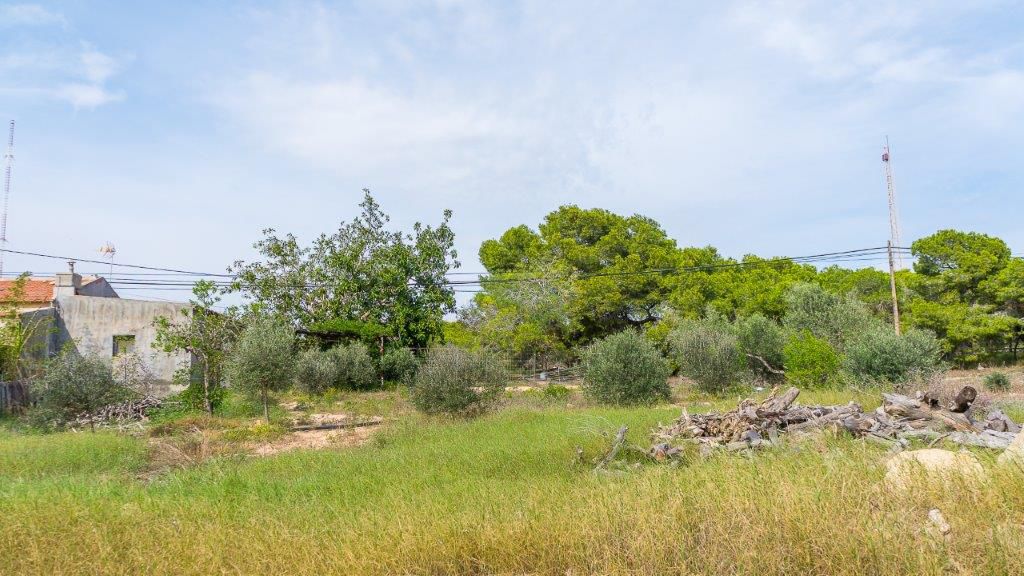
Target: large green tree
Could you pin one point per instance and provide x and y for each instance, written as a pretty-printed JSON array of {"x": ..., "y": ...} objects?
[
  {"x": 363, "y": 272},
  {"x": 604, "y": 260}
]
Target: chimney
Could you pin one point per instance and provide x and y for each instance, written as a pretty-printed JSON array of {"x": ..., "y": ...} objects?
[{"x": 68, "y": 282}]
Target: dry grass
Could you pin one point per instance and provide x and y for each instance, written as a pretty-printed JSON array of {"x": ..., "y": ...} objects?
[{"x": 502, "y": 494}]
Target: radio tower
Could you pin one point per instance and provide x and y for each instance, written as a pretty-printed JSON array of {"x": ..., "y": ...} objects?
[
  {"x": 894, "y": 220},
  {"x": 8, "y": 161}
]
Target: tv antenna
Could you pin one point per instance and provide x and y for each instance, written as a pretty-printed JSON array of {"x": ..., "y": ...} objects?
[
  {"x": 8, "y": 163},
  {"x": 108, "y": 251}
]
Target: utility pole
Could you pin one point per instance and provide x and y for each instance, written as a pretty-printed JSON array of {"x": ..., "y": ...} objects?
[
  {"x": 8, "y": 161},
  {"x": 892, "y": 287}
]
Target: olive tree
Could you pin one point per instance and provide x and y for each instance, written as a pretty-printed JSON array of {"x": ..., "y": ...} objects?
[{"x": 262, "y": 360}]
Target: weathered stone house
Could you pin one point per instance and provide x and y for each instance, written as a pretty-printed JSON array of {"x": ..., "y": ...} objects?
[{"x": 87, "y": 313}]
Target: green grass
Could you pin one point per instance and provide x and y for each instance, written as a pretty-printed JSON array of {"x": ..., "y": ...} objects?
[{"x": 501, "y": 494}]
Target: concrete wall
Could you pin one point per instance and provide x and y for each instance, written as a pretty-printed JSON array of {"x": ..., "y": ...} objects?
[{"x": 90, "y": 324}]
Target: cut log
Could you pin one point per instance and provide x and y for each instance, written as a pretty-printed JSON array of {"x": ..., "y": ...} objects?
[
  {"x": 774, "y": 404},
  {"x": 964, "y": 399}
]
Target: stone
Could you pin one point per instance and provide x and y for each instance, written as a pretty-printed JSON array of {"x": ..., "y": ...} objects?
[
  {"x": 934, "y": 462},
  {"x": 1014, "y": 453}
]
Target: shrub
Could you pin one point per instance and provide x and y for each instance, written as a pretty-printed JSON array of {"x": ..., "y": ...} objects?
[
  {"x": 810, "y": 361},
  {"x": 763, "y": 338},
  {"x": 556, "y": 392},
  {"x": 625, "y": 368},
  {"x": 880, "y": 354},
  {"x": 454, "y": 380},
  {"x": 262, "y": 360},
  {"x": 708, "y": 352},
  {"x": 398, "y": 365},
  {"x": 133, "y": 372},
  {"x": 355, "y": 366},
  {"x": 74, "y": 386},
  {"x": 997, "y": 382},
  {"x": 316, "y": 371},
  {"x": 826, "y": 316}
]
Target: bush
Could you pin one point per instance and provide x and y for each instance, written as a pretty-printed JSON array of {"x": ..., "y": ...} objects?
[
  {"x": 826, "y": 316},
  {"x": 997, "y": 382},
  {"x": 262, "y": 360},
  {"x": 708, "y": 352},
  {"x": 556, "y": 392},
  {"x": 880, "y": 354},
  {"x": 625, "y": 368},
  {"x": 399, "y": 365},
  {"x": 355, "y": 366},
  {"x": 810, "y": 361},
  {"x": 761, "y": 337},
  {"x": 454, "y": 380},
  {"x": 74, "y": 386},
  {"x": 316, "y": 371}
]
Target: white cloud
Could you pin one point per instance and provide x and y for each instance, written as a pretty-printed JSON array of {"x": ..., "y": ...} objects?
[
  {"x": 78, "y": 75},
  {"x": 713, "y": 121},
  {"x": 28, "y": 15}
]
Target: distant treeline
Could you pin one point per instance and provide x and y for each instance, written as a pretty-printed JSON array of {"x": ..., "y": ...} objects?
[{"x": 586, "y": 273}]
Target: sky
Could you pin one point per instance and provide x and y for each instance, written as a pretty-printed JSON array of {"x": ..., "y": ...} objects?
[{"x": 178, "y": 131}]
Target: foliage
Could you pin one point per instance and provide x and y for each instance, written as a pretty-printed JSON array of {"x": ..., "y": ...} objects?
[
  {"x": 398, "y": 365},
  {"x": 206, "y": 335},
  {"x": 623, "y": 369},
  {"x": 132, "y": 371},
  {"x": 19, "y": 332},
  {"x": 525, "y": 317},
  {"x": 836, "y": 319},
  {"x": 997, "y": 381},
  {"x": 953, "y": 263},
  {"x": 262, "y": 360},
  {"x": 74, "y": 386},
  {"x": 355, "y": 366},
  {"x": 363, "y": 272},
  {"x": 708, "y": 352},
  {"x": 810, "y": 361},
  {"x": 556, "y": 392},
  {"x": 588, "y": 258},
  {"x": 315, "y": 371},
  {"x": 457, "y": 381},
  {"x": 761, "y": 339},
  {"x": 880, "y": 354}
]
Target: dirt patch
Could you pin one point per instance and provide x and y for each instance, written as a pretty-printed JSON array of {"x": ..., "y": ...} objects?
[{"x": 316, "y": 440}]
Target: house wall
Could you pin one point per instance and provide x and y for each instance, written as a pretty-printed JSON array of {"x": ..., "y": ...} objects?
[{"x": 91, "y": 322}]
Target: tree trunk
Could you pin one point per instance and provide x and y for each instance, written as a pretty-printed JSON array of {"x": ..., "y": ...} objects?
[
  {"x": 206, "y": 389},
  {"x": 266, "y": 407},
  {"x": 380, "y": 364}
]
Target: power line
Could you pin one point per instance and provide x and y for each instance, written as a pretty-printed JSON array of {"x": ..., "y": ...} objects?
[{"x": 165, "y": 278}]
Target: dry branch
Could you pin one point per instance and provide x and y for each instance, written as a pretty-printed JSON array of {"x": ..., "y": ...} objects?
[{"x": 899, "y": 419}]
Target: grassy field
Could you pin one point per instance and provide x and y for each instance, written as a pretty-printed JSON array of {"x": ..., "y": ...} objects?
[{"x": 506, "y": 494}]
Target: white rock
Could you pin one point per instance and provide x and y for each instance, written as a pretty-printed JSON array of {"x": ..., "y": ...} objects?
[
  {"x": 934, "y": 462},
  {"x": 1014, "y": 452}
]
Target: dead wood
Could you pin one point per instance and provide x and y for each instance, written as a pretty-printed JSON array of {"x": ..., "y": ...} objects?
[
  {"x": 617, "y": 444},
  {"x": 766, "y": 365},
  {"x": 899, "y": 420},
  {"x": 337, "y": 425}
]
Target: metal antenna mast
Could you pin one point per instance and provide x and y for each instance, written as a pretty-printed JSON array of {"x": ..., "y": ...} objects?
[
  {"x": 8, "y": 161},
  {"x": 894, "y": 220}
]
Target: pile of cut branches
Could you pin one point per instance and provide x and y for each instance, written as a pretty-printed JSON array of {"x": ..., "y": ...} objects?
[
  {"x": 899, "y": 419},
  {"x": 131, "y": 410}
]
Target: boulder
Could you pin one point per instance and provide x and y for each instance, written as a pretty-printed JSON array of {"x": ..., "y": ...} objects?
[
  {"x": 1015, "y": 452},
  {"x": 933, "y": 462}
]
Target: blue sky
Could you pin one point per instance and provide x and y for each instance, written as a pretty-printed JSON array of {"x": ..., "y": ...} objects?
[{"x": 177, "y": 131}]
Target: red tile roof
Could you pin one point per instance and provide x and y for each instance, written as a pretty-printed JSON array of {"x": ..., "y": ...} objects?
[{"x": 36, "y": 291}]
